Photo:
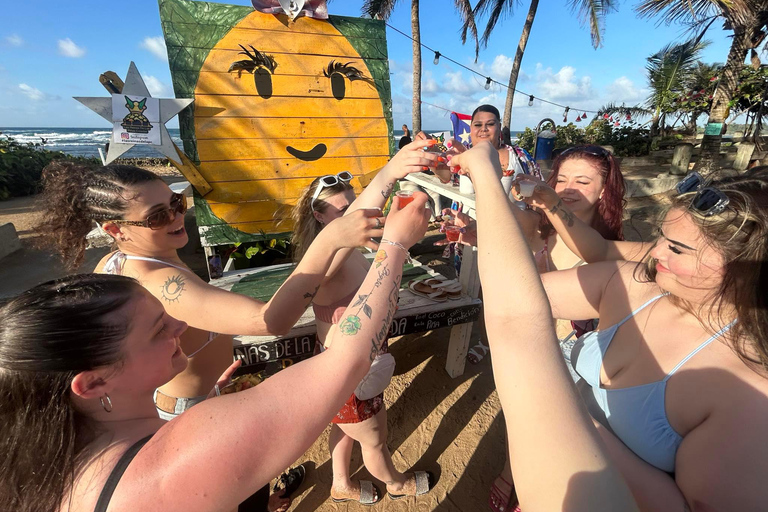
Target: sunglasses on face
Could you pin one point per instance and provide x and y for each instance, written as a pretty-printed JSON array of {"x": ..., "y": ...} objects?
[
  {"x": 329, "y": 180},
  {"x": 162, "y": 218},
  {"x": 708, "y": 201}
]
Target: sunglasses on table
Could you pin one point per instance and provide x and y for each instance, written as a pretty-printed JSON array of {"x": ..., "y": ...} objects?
[
  {"x": 329, "y": 180},
  {"x": 162, "y": 218},
  {"x": 708, "y": 201}
]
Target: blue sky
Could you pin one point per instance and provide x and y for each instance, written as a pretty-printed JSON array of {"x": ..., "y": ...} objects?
[{"x": 53, "y": 50}]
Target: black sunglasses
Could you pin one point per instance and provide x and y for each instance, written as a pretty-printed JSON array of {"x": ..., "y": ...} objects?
[
  {"x": 590, "y": 150},
  {"x": 162, "y": 218},
  {"x": 708, "y": 201}
]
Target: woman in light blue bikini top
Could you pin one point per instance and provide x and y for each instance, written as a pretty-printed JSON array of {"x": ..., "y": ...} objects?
[{"x": 636, "y": 414}]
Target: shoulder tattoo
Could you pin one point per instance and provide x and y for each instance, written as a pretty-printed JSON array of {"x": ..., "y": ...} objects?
[{"x": 173, "y": 287}]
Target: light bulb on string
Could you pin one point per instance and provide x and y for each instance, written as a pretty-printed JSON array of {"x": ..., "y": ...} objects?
[
  {"x": 530, "y": 100},
  {"x": 437, "y": 58},
  {"x": 487, "y": 83},
  {"x": 565, "y": 114}
]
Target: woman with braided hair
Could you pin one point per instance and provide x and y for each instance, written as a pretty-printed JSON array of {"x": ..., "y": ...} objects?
[{"x": 146, "y": 220}]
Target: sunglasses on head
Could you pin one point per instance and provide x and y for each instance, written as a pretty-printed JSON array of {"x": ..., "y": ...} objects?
[
  {"x": 589, "y": 150},
  {"x": 162, "y": 218},
  {"x": 329, "y": 180},
  {"x": 708, "y": 200}
]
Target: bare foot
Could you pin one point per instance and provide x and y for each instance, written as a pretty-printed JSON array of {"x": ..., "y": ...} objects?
[{"x": 278, "y": 504}]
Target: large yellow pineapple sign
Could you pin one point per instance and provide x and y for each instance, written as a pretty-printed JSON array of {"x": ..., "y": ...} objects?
[{"x": 277, "y": 103}]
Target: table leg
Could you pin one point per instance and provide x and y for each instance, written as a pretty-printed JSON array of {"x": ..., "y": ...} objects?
[{"x": 458, "y": 346}]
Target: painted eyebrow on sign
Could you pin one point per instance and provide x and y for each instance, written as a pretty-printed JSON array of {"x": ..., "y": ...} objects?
[
  {"x": 351, "y": 72},
  {"x": 256, "y": 59}
]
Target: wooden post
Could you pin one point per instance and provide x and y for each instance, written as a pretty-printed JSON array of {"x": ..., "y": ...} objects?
[
  {"x": 743, "y": 156},
  {"x": 458, "y": 346},
  {"x": 681, "y": 158}
]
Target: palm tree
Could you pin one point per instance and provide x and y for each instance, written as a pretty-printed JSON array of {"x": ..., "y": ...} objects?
[
  {"x": 589, "y": 11},
  {"x": 669, "y": 71},
  {"x": 382, "y": 9},
  {"x": 748, "y": 20}
]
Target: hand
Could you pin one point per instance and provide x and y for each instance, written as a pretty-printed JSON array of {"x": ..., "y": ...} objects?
[
  {"x": 407, "y": 225},
  {"x": 543, "y": 197},
  {"x": 356, "y": 229},
  {"x": 479, "y": 162},
  {"x": 468, "y": 226},
  {"x": 225, "y": 378},
  {"x": 413, "y": 158}
]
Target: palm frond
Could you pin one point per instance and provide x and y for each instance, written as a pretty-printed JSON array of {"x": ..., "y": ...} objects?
[
  {"x": 678, "y": 11},
  {"x": 613, "y": 109},
  {"x": 669, "y": 68},
  {"x": 469, "y": 25},
  {"x": 381, "y": 9},
  {"x": 594, "y": 13},
  {"x": 500, "y": 8}
]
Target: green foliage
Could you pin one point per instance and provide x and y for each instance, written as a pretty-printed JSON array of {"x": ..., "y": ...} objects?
[
  {"x": 260, "y": 253},
  {"x": 21, "y": 166},
  {"x": 626, "y": 140}
]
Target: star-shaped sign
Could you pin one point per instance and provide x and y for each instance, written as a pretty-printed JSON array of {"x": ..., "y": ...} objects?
[
  {"x": 134, "y": 86},
  {"x": 464, "y": 137}
]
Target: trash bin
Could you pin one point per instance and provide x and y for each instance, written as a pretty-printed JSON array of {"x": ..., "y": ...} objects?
[{"x": 545, "y": 144}]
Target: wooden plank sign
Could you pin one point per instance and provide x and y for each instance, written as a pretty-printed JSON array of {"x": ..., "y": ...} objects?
[{"x": 277, "y": 103}]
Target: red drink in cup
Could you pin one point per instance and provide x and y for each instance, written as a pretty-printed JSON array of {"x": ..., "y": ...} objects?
[
  {"x": 452, "y": 233},
  {"x": 404, "y": 196}
]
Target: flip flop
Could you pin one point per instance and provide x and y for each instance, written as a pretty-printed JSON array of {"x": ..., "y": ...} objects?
[
  {"x": 498, "y": 501},
  {"x": 452, "y": 287},
  {"x": 425, "y": 480},
  {"x": 474, "y": 354},
  {"x": 424, "y": 290},
  {"x": 290, "y": 481},
  {"x": 366, "y": 494}
]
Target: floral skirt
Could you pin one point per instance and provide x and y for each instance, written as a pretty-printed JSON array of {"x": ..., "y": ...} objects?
[{"x": 357, "y": 411}]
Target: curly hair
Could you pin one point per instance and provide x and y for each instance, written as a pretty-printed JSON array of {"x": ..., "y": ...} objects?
[
  {"x": 610, "y": 208},
  {"x": 75, "y": 196},
  {"x": 740, "y": 235}
]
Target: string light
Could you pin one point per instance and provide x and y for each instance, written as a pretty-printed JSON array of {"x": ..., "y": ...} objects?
[
  {"x": 488, "y": 79},
  {"x": 437, "y": 58},
  {"x": 565, "y": 114}
]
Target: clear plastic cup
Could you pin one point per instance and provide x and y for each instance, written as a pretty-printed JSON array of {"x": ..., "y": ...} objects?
[
  {"x": 527, "y": 188},
  {"x": 404, "y": 196}
]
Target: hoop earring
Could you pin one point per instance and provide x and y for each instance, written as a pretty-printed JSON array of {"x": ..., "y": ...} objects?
[{"x": 107, "y": 406}]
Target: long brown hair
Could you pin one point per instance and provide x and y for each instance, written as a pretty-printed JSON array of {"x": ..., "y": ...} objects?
[
  {"x": 740, "y": 235},
  {"x": 74, "y": 196},
  {"x": 48, "y": 335},
  {"x": 305, "y": 225}
]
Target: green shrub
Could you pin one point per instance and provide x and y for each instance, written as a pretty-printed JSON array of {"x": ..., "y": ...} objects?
[
  {"x": 626, "y": 140},
  {"x": 21, "y": 166}
]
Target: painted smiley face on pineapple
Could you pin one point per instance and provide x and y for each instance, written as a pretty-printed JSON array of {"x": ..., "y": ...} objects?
[{"x": 277, "y": 88}]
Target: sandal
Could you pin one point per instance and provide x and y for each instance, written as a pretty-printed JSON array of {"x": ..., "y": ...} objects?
[
  {"x": 366, "y": 494},
  {"x": 452, "y": 287},
  {"x": 290, "y": 481},
  {"x": 498, "y": 501},
  {"x": 424, "y": 290},
  {"x": 425, "y": 481},
  {"x": 477, "y": 353}
]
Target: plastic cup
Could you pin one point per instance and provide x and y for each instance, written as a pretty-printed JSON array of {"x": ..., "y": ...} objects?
[
  {"x": 465, "y": 185},
  {"x": 452, "y": 233},
  {"x": 506, "y": 183},
  {"x": 527, "y": 188},
  {"x": 404, "y": 196}
]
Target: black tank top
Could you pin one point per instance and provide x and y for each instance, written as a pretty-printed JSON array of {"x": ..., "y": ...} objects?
[{"x": 117, "y": 473}]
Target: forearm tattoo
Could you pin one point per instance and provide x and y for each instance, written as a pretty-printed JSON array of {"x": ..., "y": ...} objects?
[
  {"x": 565, "y": 214},
  {"x": 173, "y": 288},
  {"x": 387, "y": 190},
  {"x": 311, "y": 296},
  {"x": 352, "y": 324}
]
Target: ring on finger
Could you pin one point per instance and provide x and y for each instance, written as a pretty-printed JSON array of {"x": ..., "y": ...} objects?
[{"x": 378, "y": 223}]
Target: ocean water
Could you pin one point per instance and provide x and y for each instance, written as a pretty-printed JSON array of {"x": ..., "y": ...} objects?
[{"x": 81, "y": 141}]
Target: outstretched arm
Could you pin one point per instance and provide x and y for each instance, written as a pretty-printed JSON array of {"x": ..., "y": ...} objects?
[
  {"x": 557, "y": 457},
  {"x": 580, "y": 238},
  {"x": 225, "y": 448}
]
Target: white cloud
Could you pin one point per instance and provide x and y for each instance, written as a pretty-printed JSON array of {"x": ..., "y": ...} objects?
[
  {"x": 68, "y": 48},
  {"x": 156, "y": 88},
  {"x": 14, "y": 40},
  {"x": 563, "y": 85},
  {"x": 501, "y": 67},
  {"x": 31, "y": 92},
  {"x": 156, "y": 46},
  {"x": 623, "y": 90}
]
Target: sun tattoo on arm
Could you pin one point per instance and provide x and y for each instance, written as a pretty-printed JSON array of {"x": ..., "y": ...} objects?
[{"x": 173, "y": 288}]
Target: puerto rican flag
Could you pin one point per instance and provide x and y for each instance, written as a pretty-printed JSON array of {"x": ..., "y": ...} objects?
[{"x": 461, "y": 128}]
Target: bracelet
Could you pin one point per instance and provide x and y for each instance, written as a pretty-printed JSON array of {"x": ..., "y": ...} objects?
[{"x": 400, "y": 246}]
